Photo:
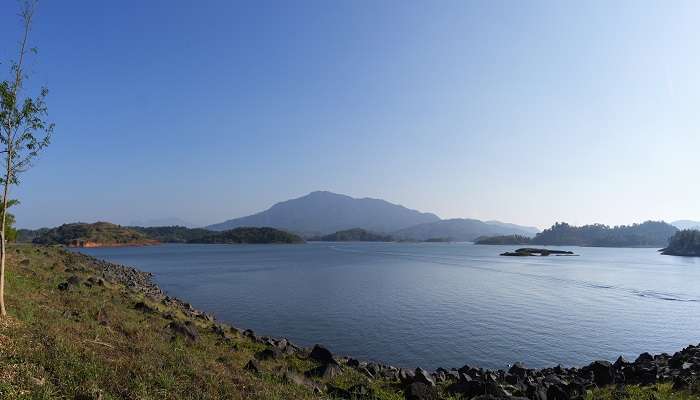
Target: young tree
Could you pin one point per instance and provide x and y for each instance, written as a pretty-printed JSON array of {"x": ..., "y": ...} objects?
[{"x": 23, "y": 131}]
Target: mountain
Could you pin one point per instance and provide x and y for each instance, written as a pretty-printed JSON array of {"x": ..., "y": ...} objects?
[
  {"x": 647, "y": 234},
  {"x": 531, "y": 230},
  {"x": 460, "y": 230},
  {"x": 322, "y": 213},
  {"x": 686, "y": 224},
  {"x": 248, "y": 235}
]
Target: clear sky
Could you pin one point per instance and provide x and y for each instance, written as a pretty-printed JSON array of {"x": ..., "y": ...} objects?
[{"x": 524, "y": 111}]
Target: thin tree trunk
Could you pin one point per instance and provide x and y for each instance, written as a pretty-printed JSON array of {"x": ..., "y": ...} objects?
[
  {"x": 27, "y": 14},
  {"x": 3, "y": 252}
]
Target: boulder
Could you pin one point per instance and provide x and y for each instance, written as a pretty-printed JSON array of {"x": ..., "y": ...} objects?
[
  {"x": 519, "y": 370},
  {"x": 322, "y": 355},
  {"x": 644, "y": 358},
  {"x": 356, "y": 392},
  {"x": 423, "y": 376},
  {"x": 467, "y": 387},
  {"x": 143, "y": 307},
  {"x": 620, "y": 362},
  {"x": 186, "y": 330},
  {"x": 603, "y": 373},
  {"x": 252, "y": 366},
  {"x": 421, "y": 391},
  {"x": 557, "y": 392},
  {"x": 406, "y": 376},
  {"x": 325, "y": 371},
  {"x": 299, "y": 379},
  {"x": 272, "y": 353},
  {"x": 72, "y": 281}
]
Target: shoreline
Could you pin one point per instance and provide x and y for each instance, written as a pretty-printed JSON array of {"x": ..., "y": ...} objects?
[{"x": 680, "y": 369}]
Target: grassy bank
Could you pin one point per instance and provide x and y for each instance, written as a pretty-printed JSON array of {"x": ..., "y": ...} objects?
[
  {"x": 74, "y": 333},
  {"x": 91, "y": 342}
]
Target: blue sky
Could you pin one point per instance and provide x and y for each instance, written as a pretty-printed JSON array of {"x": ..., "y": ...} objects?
[{"x": 527, "y": 112}]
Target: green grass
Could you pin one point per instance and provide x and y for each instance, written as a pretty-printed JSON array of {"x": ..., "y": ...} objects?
[
  {"x": 657, "y": 392},
  {"x": 54, "y": 345}
]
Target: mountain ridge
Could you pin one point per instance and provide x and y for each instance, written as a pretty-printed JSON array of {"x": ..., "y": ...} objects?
[
  {"x": 459, "y": 229},
  {"x": 324, "y": 212}
]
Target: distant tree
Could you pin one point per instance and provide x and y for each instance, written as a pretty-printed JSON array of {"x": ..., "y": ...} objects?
[
  {"x": 23, "y": 130},
  {"x": 10, "y": 230}
]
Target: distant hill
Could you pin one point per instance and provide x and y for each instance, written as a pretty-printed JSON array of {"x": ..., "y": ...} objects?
[
  {"x": 647, "y": 234},
  {"x": 159, "y": 222},
  {"x": 459, "y": 230},
  {"x": 250, "y": 235},
  {"x": 684, "y": 243},
  {"x": 503, "y": 240},
  {"x": 172, "y": 234},
  {"x": 28, "y": 235},
  {"x": 530, "y": 230},
  {"x": 686, "y": 224},
  {"x": 98, "y": 234},
  {"x": 355, "y": 235},
  {"x": 322, "y": 213}
]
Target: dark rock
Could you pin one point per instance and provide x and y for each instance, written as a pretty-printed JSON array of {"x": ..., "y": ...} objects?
[
  {"x": 557, "y": 392},
  {"x": 357, "y": 392},
  {"x": 299, "y": 379},
  {"x": 272, "y": 353},
  {"x": 467, "y": 387},
  {"x": 143, "y": 307},
  {"x": 322, "y": 355},
  {"x": 620, "y": 362},
  {"x": 496, "y": 390},
  {"x": 91, "y": 281},
  {"x": 519, "y": 370},
  {"x": 364, "y": 371},
  {"x": 73, "y": 280},
  {"x": 644, "y": 357},
  {"x": 186, "y": 330},
  {"x": 406, "y": 376},
  {"x": 252, "y": 366},
  {"x": 603, "y": 373},
  {"x": 325, "y": 371},
  {"x": 353, "y": 363},
  {"x": 421, "y": 391},
  {"x": 423, "y": 376}
]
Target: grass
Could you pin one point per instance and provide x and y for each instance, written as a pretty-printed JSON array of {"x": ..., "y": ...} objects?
[
  {"x": 658, "y": 392},
  {"x": 91, "y": 343}
]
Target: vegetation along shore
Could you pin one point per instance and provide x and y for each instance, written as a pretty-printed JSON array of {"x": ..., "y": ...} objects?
[{"x": 82, "y": 328}]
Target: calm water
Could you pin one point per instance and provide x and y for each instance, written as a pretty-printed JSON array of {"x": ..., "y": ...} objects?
[{"x": 439, "y": 304}]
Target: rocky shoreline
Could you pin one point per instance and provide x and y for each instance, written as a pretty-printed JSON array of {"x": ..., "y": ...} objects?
[{"x": 680, "y": 369}]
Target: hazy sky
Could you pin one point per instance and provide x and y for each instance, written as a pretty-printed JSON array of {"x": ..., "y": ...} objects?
[{"x": 523, "y": 111}]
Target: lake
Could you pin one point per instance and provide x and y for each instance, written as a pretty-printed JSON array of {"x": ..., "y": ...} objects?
[{"x": 438, "y": 304}]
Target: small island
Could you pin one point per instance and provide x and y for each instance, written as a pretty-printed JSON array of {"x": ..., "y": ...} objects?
[
  {"x": 249, "y": 235},
  {"x": 527, "y": 252},
  {"x": 98, "y": 234},
  {"x": 354, "y": 235},
  {"x": 503, "y": 240},
  {"x": 684, "y": 243}
]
